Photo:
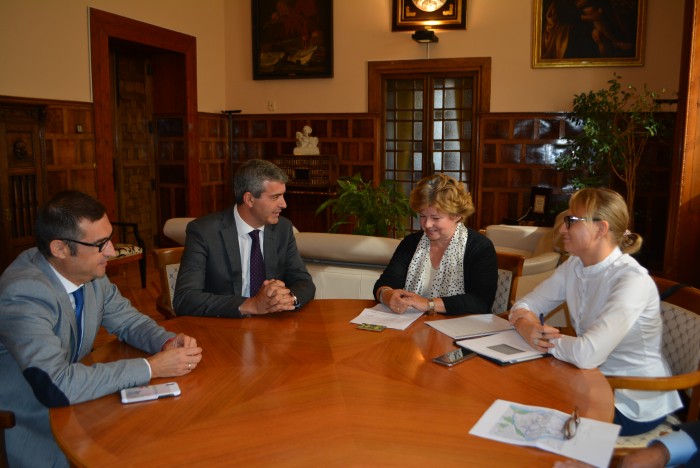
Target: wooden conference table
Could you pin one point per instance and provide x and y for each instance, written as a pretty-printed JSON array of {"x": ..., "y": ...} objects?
[{"x": 308, "y": 389}]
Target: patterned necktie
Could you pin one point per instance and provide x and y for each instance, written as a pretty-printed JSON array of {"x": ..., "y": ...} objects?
[
  {"x": 78, "y": 297},
  {"x": 257, "y": 266}
]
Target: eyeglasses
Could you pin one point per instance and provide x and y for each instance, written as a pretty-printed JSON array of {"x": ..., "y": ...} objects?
[
  {"x": 100, "y": 245},
  {"x": 569, "y": 220},
  {"x": 571, "y": 424}
]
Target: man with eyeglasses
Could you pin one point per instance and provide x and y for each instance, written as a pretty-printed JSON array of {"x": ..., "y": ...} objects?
[{"x": 53, "y": 300}]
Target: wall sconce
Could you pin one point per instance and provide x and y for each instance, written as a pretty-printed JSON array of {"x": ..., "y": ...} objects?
[{"x": 423, "y": 36}]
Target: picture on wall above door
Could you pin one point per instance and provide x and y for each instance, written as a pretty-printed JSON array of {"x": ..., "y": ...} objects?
[
  {"x": 588, "y": 33},
  {"x": 409, "y": 15},
  {"x": 292, "y": 39}
]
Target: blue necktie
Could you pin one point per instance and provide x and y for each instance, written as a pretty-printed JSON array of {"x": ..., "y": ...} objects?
[
  {"x": 78, "y": 297},
  {"x": 257, "y": 265}
]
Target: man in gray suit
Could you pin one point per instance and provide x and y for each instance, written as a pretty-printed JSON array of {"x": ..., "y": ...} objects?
[
  {"x": 53, "y": 299},
  {"x": 221, "y": 251}
]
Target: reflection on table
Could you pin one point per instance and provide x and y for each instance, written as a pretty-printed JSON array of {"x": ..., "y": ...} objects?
[{"x": 307, "y": 388}]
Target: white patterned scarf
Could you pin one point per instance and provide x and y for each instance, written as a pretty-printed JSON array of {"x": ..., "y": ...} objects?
[{"x": 449, "y": 280}]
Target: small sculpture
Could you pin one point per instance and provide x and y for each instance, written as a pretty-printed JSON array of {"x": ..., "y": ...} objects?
[{"x": 306, "y": 144}]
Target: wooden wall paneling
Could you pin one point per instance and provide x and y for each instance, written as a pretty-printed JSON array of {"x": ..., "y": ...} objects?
[
  {"x": 214, "y": 163},
  {"x": 171, "y": 169},
  {"x": 517, "y": 152},
  {"x": 70, "y": 148},
  {"x": 350, "y": 137},
  {"x": 22, "y": 175}
]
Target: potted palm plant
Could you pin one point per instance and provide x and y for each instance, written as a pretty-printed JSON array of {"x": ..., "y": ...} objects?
[
  {"x": 378, "y": 210},
  {"x": 616, "y": 124}
]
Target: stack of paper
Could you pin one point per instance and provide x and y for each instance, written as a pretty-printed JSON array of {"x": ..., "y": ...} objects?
[
  {"x": 382, "y": 315},
  {"x": 506, "y": 347},
  {"x": 540, "y": 427}
]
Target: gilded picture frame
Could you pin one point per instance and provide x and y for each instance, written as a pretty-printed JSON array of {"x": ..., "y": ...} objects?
[
  {"x": 409, "y": 15},
  {"x": 292, "y": 39},
  {"x": 588, "y": 33}
]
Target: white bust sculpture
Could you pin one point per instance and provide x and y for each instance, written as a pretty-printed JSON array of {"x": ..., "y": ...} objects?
[{"x": 306, "y": 144}]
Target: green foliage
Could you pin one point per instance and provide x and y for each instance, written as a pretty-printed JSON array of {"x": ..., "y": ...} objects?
[
  {"x": 616, "y": 125},
  {"x": 377, "y": 210}
]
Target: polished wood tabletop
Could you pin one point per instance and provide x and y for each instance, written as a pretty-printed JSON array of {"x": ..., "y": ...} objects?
[{"x": 307, "y": 388}]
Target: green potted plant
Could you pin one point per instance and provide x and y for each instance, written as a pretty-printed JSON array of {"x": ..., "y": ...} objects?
[
  {"x": 377, "y": 210},
  {"x": 616, "y": 124}
]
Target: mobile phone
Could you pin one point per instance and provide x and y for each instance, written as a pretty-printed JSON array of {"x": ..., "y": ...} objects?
[
  {"x": 150, "y": 392},
  {"x": 454, "y": 357}
]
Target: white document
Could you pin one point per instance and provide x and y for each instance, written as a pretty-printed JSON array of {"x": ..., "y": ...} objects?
[
  {"x": 540, "y": 427},
  {"x": 471, "y": 326},
  {"x": 506, "y": 347},
  {"x": 382, "y": 315}
]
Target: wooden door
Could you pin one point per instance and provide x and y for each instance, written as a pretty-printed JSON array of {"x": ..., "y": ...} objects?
[
  {"x": 134, "y": 162},
  {"x": 22, "y": 162}
]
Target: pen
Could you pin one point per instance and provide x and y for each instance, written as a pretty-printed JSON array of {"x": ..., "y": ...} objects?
[{"x": 542, "y": 319}]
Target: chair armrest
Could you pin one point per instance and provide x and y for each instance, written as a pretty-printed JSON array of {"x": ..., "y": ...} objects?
[
  {"x": 541, "y": 263},
  {"x": 135, "y": 228},
  {"x": 675, "y": 382}
]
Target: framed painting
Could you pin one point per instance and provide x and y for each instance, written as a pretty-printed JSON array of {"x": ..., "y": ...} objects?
[
  {"x": 588, "y": 33},
  {"x": 292, "y": 39},
  {"x": 409, "y": 15}
]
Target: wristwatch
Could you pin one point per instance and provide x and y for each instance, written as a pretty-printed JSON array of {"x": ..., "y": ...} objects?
[
  {"x": 431, "y": 306},
  {"x": 296, "y": 301}
]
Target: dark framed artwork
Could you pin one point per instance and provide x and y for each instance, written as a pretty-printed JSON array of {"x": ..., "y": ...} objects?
[
  {"x": 588, "y": 33},
  {"x": 409, "y": 15},
  {"x": 292, "y": 39}
]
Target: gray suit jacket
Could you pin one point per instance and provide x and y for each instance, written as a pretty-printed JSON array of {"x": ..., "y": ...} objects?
[
  {"x": 210, "y": 278},
  {"x": 38, "y": 352}
]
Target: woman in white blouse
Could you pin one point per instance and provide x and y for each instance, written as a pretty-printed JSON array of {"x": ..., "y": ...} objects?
[{"x": 613, "y": 303}]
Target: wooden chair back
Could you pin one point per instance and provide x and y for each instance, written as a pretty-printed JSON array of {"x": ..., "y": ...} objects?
[
  {"x": 7, "y": 421},
  {"x": 510, "y": 268},
  {"x": 168, "y": 263}
]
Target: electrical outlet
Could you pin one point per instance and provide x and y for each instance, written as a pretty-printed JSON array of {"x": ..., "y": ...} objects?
[
  {"x": 271, "y": 105},
  {"x": 79, "y": 128}
]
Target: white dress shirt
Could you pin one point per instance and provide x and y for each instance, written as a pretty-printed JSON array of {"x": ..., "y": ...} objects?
[{"x": 614, "y": 308}]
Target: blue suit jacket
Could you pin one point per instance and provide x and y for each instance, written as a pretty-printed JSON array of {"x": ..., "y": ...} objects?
[
  {"x": 38, "y": 352},
  {"x": 210, "y": 278}
]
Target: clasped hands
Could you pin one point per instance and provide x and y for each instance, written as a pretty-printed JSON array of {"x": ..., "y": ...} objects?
[
  {"x": 529, "y": 327},
  {"x": 178, "y": 357},
  {"x": 399, "y": 300},
  {"x": 273, "y": 296}
]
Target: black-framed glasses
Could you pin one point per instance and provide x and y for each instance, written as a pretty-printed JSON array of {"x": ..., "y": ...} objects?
[
  {"x": 571, "y": 424},
  {"x": 100, "y": 245},
  {"x": 569, "y": 220}
]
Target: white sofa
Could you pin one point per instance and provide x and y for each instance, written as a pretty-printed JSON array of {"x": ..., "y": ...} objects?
[
  {"x": 174, "y": 228},
  {"x": 344, "y": 265},
  {"x": 536, "y": 244}
]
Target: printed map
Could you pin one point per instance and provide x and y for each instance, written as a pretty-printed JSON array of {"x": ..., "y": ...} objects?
[{"x": 526, "y": 424}]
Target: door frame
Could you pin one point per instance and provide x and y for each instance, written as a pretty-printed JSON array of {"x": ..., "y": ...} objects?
[
  {"x": 378, "y": 72},
  {"x": 103, "y": 27}
]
